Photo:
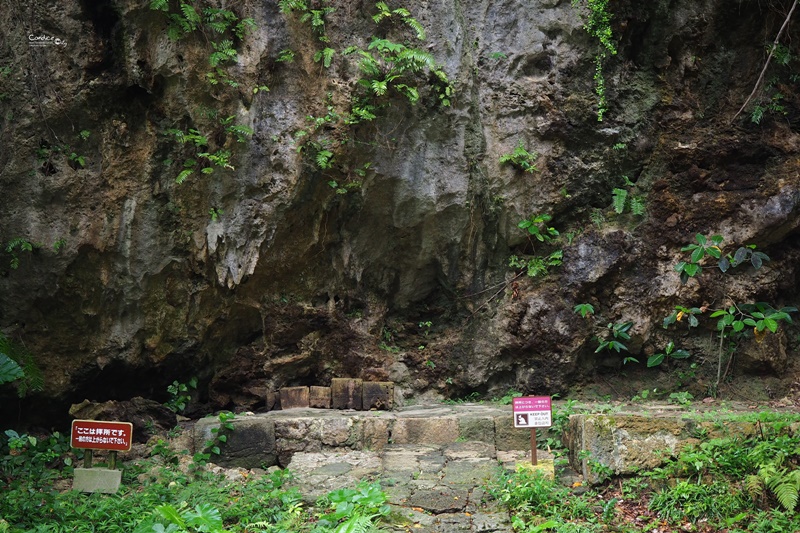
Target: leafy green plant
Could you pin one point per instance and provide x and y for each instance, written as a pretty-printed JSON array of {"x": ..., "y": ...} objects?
[
  {"x": 18, "y": 366},
  {"x": 202, "y": 517},
  {"x": 285, "y": 56},
  {"x": 179, "y": 395},
  {"x": 680, "y": 398},
  {"x": 386, "y": 14},
  {"x": 9, "y": 369},
  {"x": 712, "y": 247},
  {"x": 597, "y": 23},
  {"x": 14, "y": 246},
  {"x": 615, "y": 333},
  {"x": 535, "y": 265},
  {"x": 536, "y": 226},
  {"x": 622, "y": 199},
  {"x": 680, "y": 312},
  {"x": 212, "y": 446},
  {"x": 706, "y": 246},
  {"x": 761, "y": 316},
  {"x": 201, "y": 156},
  {"x": 520, "y": 158},
  {"x": 350, "y": 510},
  {"x": 585, "y": 310},
  {"x": 783, "y": 482},
  {"x": 310, "y": 12},
  {"x": 389, "y": 65},
  {"x": 669, "y": 352}
]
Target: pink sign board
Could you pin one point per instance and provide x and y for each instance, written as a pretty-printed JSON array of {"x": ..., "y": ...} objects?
[{"x": 533, "y": 412}]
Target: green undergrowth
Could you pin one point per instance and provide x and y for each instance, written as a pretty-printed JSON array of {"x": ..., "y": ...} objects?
[
  {"x": 735, "y": 484},
  {"x": 160, "y": 494}
]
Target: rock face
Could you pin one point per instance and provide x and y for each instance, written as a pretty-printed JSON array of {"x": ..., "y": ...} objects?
[{"x": 318, "y": 247}]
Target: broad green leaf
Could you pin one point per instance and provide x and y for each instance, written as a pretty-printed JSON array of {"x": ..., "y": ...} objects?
[
  {"x": 9, "y": 369},
  {"x": 680, "y": 354},
  {"x": 756, "y": 261},
  {"x": 700, "y": 238},
  {"x": 698, "y": 254},
  {"x": 691, "y": 269},
  {"x": 693, "y": 322},
  {"x": 724, "y": 264},
  {"x": 655, "y": 360},
  {"x": 772, "y": 325},
  {"x": 740, "y": 256},
  {"x": 738, "y": 326},
  {"x": 171, "y": 514}
]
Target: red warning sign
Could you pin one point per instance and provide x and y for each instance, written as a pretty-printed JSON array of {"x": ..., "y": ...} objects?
[{"x": 100, "y": 435}]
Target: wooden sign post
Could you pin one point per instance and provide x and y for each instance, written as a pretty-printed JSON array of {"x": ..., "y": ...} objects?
[
  {"x": 93, "y": 435},
  {"x": 533, "y": 412}
]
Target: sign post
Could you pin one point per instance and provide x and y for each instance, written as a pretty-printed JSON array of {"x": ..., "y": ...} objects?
[
  {"x": 533, "y": 412},
  {"x": 93, "y": 435}
]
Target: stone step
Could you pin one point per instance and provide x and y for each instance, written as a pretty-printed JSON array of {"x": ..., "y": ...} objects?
[
  {"x": 267, "y": 439},
  {"x": 628, "y": 442}
]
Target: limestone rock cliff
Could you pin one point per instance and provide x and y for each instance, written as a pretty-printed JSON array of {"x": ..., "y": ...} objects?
[{"x": 390, "y": 259}]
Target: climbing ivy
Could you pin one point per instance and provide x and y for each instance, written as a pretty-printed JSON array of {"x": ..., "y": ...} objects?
[{"x": 597, "y": 23}]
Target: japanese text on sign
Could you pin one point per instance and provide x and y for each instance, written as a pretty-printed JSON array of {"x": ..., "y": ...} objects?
[
  {"x": 532, "y": 412},
  {"x": 98, "y": 435}
]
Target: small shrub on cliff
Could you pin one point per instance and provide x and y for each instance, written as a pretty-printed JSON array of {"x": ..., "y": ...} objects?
[{"x": 521, "y": 158}]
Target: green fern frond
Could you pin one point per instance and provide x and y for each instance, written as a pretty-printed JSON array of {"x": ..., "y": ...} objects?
[
  {"x": 326, "y": 56},
  {"x": 183, "y": 175},
  {"x": 637, "y": 205},
  {"x": 217, "y": 26},
  {"x": 159, "y": 5},
  {"x": 369, "y": 66},
  {"x": 190, "y": 14},
  {"x": 324, "y": 159},
  {"x": 754, "y": 485},
  {"x": 417, "y": 27},
  {"x": 784, "y": 484},
  {"x": 379, "y": 87},
  {"x": 620, "y": 197}
]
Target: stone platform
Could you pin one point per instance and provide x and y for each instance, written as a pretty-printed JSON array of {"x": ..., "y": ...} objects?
[{"x": 273, "y": 438}]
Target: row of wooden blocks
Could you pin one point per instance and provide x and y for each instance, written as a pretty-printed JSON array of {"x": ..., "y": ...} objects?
[{"x": 344, "y": 393}]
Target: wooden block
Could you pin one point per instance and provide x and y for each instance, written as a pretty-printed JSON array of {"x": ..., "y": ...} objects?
[
  {"x": 346, "y": 393},
  {"x": 377, "y": 395},
  {"x": 293, "y": 397},
  {"x": 319, "y": 397}
]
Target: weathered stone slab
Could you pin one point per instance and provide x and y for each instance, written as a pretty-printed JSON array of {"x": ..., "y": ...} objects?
[
  {"x": 476, "y": 428},
  {"x": 346, "y": 393},
  {"x": 251, "y": 444},
  {"x": 375, "y": 433},
  {"x": 377, "y": 395},
  {"x": 100, "y": 480},
  {"x": 624, "y": 443},
  {"x": 338, "y": 432},
  {"x": 435, "y": 430},
  {"x": 507, "y": 437},
  {"x": 294, "y": 397},
  {"x": 296, "y": 435},
  {"x": 319, "y": 397}
]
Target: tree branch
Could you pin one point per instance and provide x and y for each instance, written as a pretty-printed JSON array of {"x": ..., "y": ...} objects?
[{"x": 769, "y": 58}]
